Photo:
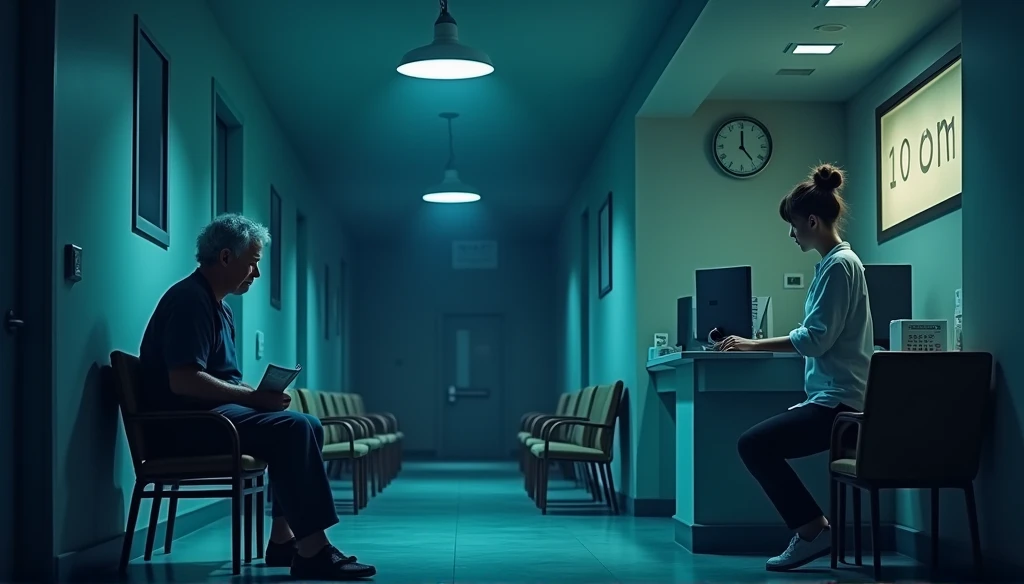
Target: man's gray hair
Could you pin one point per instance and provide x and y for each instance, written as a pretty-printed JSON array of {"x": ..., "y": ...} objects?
[{"x": 232, "y": 232}]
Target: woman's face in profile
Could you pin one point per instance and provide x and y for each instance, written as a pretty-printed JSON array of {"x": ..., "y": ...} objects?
[{"x": 802, "y": 232}]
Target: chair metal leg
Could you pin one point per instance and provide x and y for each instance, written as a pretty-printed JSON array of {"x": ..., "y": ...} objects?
[
  {"x": 248, "y": 505},
  {"x": 833, "y": 511},
  {"x": 876, "y": 534},
  {"x": 542, "y": 487},
  {"x": 260, "y": 514},
  {"x": 154, "y": 518},
  {"x": 858, "y": 540},
  {"x": 609, "y": 488},
  {"x": 129, "y": 531},
  {"x": 595, "y": 486},
  {"x": 172, "y": 513},
  {"x": 355, "y": 486},
  {"x": 935, "y": 528},
  {"x": 841, "y": 522},
  {"x": 972, "y": 520},
  {"x": 236, "y": 525}
]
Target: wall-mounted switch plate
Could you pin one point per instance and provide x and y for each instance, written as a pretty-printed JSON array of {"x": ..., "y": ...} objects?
[
  {"x": 259, "y": 345},
  {"x": 72, "y": 263},
  {"x": 793, "y": 281}
]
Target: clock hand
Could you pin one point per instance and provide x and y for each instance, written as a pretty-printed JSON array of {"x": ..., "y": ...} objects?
[
  {"x": 744, "y": 150},
  {"x": 741, "y": 139}
]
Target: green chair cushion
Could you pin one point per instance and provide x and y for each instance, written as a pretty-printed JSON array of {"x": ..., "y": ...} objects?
[
  {"x": 342, "y": 450},
  {"x": 566, "y": 451},
  {"x": 846, "y": 466}
]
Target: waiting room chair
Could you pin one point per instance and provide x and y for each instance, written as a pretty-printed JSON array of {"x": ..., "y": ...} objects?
[
  {"x": 341, "y": 446},
  {"x": 566, "y": 405},
  {"x": 566, "y": 402},
  {"x": 576, "y": 407},
  {"x": 386, "y": 424},
  {"x": 336, "y": 408},
  {"x": 923, "y": 426},
  {"x": 385, "y": 429},
  {"x": 589, "y": 443},
  {"x": 241, "y": 474}
]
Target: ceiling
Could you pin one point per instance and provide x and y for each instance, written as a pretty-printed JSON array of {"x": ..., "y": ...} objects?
[
  {"x": 735, "y": 49},
  {"x": 372, "y": 139}
]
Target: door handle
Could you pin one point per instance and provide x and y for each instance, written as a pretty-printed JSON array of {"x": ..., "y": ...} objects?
[
  {"x": 12, "y": 323},
  {"x": 454, "y": 393}
]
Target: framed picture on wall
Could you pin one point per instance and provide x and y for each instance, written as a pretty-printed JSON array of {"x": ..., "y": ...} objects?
[
  {"x": 150, "y": 207},
  {"x": 919, "y": 154},
  {"x": 275, "y": 248},
  {"x": 327, "y": 302},
  {"x": 604, "y": 247}
]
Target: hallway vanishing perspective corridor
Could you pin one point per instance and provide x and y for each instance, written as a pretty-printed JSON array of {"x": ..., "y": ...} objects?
[{"x": 472, "y": 523}]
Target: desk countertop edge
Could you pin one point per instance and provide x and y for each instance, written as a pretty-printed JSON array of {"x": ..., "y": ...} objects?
[{"x": 674, "y": 360}]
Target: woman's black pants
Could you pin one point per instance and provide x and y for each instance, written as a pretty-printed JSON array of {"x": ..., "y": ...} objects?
[{"x": 767, "y": 447}]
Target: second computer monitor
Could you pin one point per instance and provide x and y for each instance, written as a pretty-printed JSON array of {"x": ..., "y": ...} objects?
[
  {"x": 890, "y": 295},
  {"x": 724, "y": 302}
]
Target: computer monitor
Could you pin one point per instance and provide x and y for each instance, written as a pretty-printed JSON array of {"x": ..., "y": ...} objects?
[
  {"x": 684, "y": 322},
  {"x": 723, "y": 302},
  {"x": 890, "y": 296}
]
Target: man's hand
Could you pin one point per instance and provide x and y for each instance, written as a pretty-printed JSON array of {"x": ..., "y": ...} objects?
[
  {"x": 268, "y": 401},
  {"x": 734, "y": 343}
]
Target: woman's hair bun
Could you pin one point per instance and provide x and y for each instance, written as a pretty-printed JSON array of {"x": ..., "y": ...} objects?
[{"x": 828, "y": 177}]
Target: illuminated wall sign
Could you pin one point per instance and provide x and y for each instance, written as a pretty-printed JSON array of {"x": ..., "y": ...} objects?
[{"x": 920, "y": 159}]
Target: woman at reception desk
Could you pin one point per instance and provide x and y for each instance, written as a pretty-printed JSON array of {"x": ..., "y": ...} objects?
[{"x": 836, "y": 341}]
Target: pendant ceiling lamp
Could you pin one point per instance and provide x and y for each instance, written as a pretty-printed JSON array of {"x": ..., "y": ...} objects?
[
  {"x": 446, "y": 57},
  {"x": 451, "y": 189}
]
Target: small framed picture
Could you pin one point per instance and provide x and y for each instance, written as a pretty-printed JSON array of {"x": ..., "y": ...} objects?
[
  {"x": 793, "y": 281},
  {"x": 604, "y": 247}
]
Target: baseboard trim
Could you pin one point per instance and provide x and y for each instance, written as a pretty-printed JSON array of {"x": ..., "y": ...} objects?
[
  {"x": 917, "y": 545},
  {"x": 647, "y": 507},
  {"x": 419, "y": 454},
  {"x": 756, "y": 539},
  {"x": 86, "y": 564}
]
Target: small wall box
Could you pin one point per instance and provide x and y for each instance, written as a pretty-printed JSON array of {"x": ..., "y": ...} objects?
[
  {"x": 72, "y": 263},
  {"x": 919, "y": 335}
]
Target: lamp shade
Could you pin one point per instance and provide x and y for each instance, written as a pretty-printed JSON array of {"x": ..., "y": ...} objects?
[
  {"x": 445, "y": 58},
  {"x": 451, "y": 190}
]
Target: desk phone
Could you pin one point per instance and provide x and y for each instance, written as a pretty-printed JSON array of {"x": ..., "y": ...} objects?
[{"x": 919, "y": 335}]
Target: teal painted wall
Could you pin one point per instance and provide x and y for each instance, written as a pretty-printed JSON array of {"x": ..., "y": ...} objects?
[
  {"x": 404, "y": 286},
  {"x": 992, "y": 210},
  {"x": 125, "y": 274},
  {"x": 934, "y": 249},
  {"x": 612, "y": 319}
]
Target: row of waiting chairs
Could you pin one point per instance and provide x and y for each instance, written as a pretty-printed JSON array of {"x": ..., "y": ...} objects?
[
  {"x": 577, "y": 437},
  {"x": 370, "y": 443}
]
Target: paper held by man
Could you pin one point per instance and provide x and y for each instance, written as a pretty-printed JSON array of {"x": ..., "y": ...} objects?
[{"x": 278, "y": 378}]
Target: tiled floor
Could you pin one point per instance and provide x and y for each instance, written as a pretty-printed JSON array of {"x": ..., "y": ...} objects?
[{"x": 473, "y": 523}]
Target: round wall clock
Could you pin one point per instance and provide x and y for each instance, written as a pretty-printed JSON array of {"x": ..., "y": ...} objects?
[{"x": 742, "y": 147}]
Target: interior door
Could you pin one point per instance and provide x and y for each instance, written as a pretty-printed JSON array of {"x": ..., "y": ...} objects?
[
  {"x": 472, "y": 373},
  {"x": 9, "y": 163},
  {"x": 302, "y": 300}
]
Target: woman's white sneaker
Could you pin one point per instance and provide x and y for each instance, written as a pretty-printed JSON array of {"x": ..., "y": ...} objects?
[{"x": 801, "y": 552}]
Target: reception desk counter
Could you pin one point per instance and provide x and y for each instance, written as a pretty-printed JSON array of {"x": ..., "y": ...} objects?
[{"x": 720, "y": 508}]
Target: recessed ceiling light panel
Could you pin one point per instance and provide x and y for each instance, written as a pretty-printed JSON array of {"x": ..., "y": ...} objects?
[
  {"x": 811, "y": 49},
  {"x": 794, "y": 72},
  {"x": 845, "y": 3}
]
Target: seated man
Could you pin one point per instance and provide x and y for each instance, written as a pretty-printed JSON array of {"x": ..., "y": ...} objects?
[{"x": 189, "y": 362}]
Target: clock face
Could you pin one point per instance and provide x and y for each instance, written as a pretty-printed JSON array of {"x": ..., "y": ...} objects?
[{"x": 742, "y": 147}]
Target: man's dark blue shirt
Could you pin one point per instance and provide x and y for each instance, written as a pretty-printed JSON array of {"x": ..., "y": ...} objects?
[{"x": 189, "y": 328}]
